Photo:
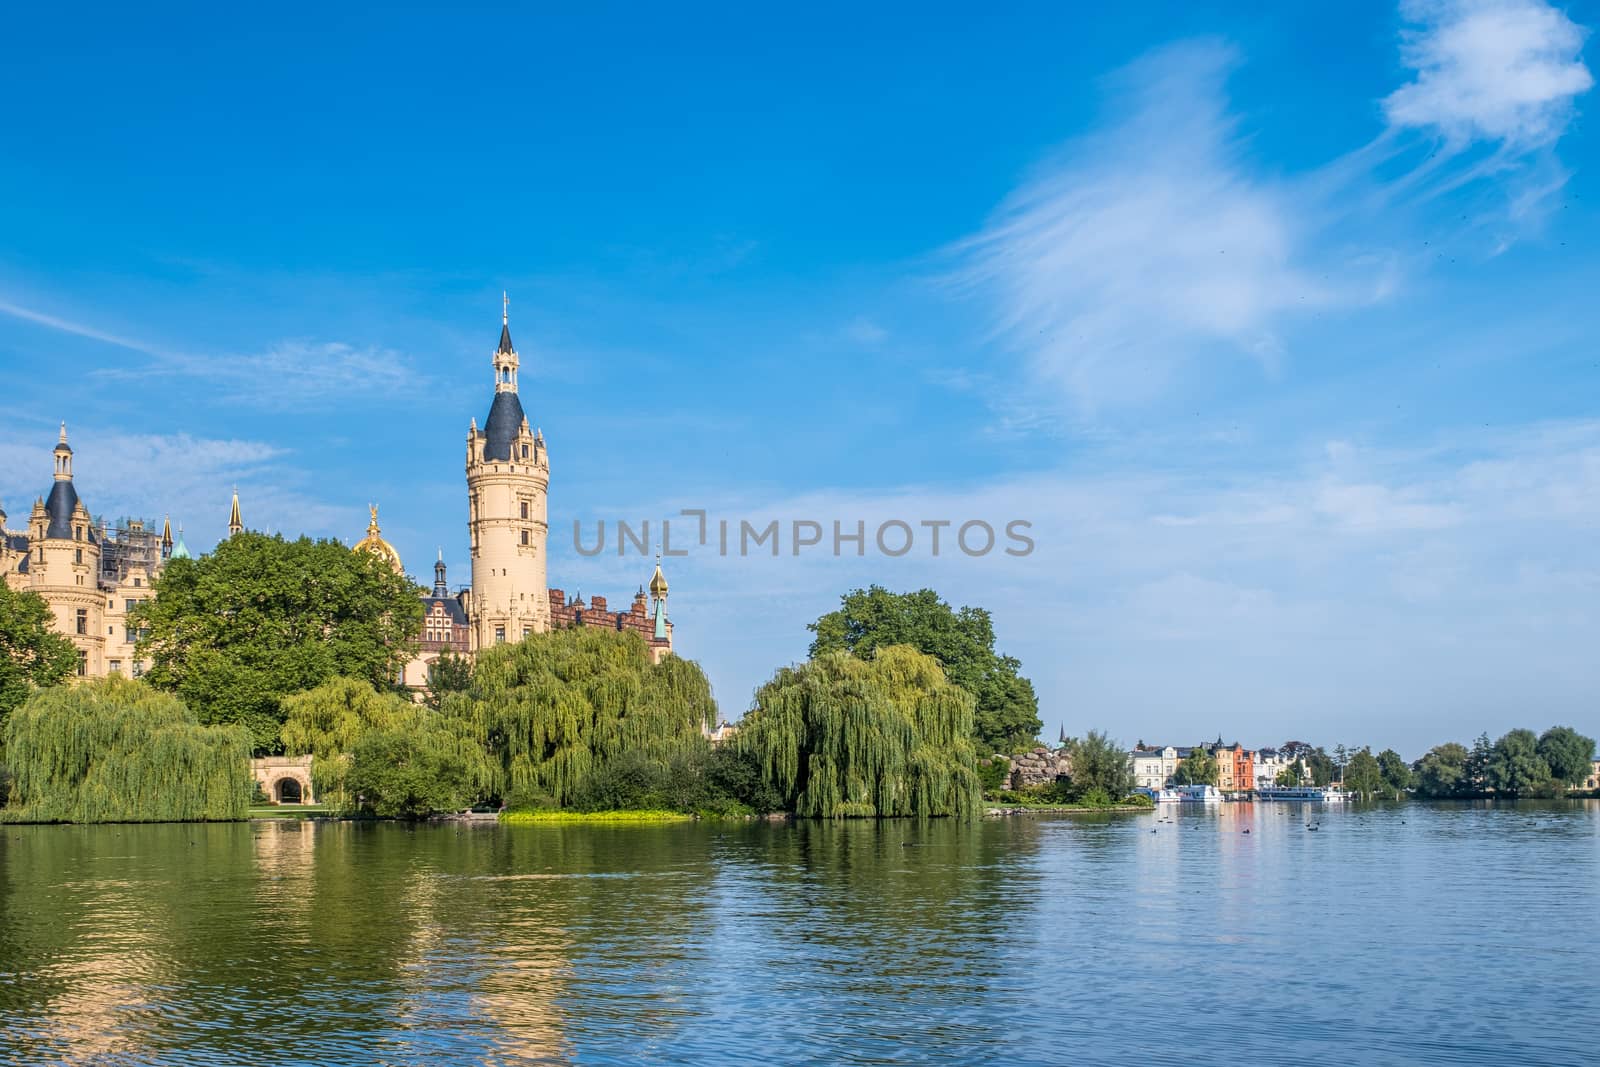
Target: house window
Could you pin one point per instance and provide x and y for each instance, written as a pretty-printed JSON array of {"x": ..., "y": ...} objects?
[
  {"x": 83, "y": 620},
  {"x": 83, "y": 663},
  {"x": 116, "y": 666},
  {"x": 131, "y": 604},
  {"x": 137, "y": 582},
  {"x": 526, "y": 630},
  {"x": 129, "y": 634},
  {"x": 499, "y": 635}
]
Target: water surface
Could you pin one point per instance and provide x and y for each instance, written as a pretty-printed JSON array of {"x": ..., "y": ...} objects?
[{"x": 1414, "y": 934}]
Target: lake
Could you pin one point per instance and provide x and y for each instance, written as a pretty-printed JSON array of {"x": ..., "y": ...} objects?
[{"x": 1408, "y": 934}]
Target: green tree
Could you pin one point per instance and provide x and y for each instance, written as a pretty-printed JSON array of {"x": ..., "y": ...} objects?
[
  {"x": 1006, "y": 718},
  {"x": 1396, "y": 774},
  {"x": 410, "y": 773},
  {"x": 555, "y": 708},
  {"x": 1443, "y": 772},
  {"x": 114, "y": 750},
  {"x": 1363, "y": 775},
  {"x": 235, "y": 632},
  {"x": 1515, "y": 766},
  {"x": 1477, "y": 767},
  {"x": 1341, "y": 760},
  {"x": 448, "y": 674},
  {"x": 1567, "y": 753},
  {"x": 843, "y": 736},
  {"x": 1199, "y": 767},
  {"x": 1100, "y": 763},
  {"x": 329, "y": 722},
  {"x": 1320, "y": 764},
  {"x": 1292, "y": 775},
  {"x": 32, "y": 655}
]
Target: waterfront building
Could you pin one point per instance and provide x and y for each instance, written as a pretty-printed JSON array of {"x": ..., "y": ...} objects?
[
  {"x": 1153, "y": 768},
  {"x": 1235, "y": 767},
  {"x": 92, "y": 574}
]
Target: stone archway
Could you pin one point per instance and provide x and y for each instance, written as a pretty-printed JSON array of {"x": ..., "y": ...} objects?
[{"x": 284, "y": 779}]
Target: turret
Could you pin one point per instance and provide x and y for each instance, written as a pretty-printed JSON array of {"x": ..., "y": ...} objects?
[
  {"x": 441, "y": 588},
  {"x": 658, "y": 593},
  {"x": 63, "y": 457},
  {"x": 235, "y": 523}
]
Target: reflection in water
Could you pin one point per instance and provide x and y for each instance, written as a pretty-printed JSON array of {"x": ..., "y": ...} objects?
[{"x": 1230, "y": 933}]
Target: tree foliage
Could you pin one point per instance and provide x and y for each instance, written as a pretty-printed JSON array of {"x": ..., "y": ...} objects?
[
  {"x": 32, "y": 655},
  {"x": 1099, "y": 763},
  {"x": 1567, "y": 754},
  {"x": 448, "y": 674},
  {"x": 331, "y": 722},
  {"x": 843, "y": 736},
  {"x": 1292, "y": 775},
  {"x": 1443, "y": 772},
  {"x": 114, "y": 750},
  {"x": 1199, "y": 767},
  {"x": 555, "y": 708},
  {"x": 1006, "y": 715},
  {"x": 1515, "y": 766},
  {"x": 411, "y": 772},
  {"x": 236, "y": 631},
  {"x": 1363, "y": 775},
  {"x": 1397, "y": 776}
]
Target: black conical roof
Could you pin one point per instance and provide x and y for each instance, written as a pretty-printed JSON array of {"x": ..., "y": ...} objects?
[
  {"x": 500, "y": 429},
  {"x": 505, "y": 340},
  {"x": 61, "y": 503}
]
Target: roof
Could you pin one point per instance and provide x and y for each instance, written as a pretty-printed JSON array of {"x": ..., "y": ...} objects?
[
  {"x": 505, "y": 340},
  {"x": 500, "y": 429},
  {"x": 452, "y": 608},
  {"x": 59, "y": 505}
]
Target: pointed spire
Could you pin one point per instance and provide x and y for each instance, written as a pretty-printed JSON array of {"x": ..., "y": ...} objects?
[
  {"x": 505, "y": 326},
  {"x": 235, "y": 524},
  {"x": 63, "y": 438},
  {"x": 441, "y": 588}
]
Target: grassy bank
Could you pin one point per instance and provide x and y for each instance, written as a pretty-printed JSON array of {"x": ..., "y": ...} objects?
[
  {"x": 521, "y": 818},
  {"x": 296, "y": 811}
]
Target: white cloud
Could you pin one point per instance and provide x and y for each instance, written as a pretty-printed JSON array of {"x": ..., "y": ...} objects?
[
  {"x": 1140, "y": 249},
  {"x": 1496, "y": 70}
]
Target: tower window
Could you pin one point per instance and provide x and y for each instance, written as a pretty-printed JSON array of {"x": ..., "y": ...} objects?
[
  {"x": 137, "y": 582},
  {"x": 524, "y": 509},
  {"x": 77, "y": 555},
  {"x": 83, "y": 663},
  {"x": 524, "y": 451},
  {"x": 524, "y": 536},
  {"x": 83, "y": 620}
]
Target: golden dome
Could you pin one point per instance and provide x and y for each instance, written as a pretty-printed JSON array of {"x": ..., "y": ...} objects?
[
  {"x": 658, "y": 581},
  {"x": 375, "y": 543}
]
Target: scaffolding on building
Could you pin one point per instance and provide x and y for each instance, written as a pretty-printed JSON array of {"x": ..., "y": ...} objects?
[{"x": 128, "y": 545}]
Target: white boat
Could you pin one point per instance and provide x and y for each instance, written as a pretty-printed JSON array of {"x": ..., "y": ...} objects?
[{"x": 1314, "y": 794}]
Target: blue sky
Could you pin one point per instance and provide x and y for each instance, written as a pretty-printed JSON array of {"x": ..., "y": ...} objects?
[{"x": 1276, "y": 321}]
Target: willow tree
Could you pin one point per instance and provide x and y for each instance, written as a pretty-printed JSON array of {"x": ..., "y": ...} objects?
[
  {"x": 887, "y": 736},
  {"x": 115, "y": 750},
  {"x": 358, "y": 736},
  {"x": 556, "y": 708}
]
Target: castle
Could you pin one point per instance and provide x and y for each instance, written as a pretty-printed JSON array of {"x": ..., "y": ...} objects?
[{"x": 92, "y": 575}]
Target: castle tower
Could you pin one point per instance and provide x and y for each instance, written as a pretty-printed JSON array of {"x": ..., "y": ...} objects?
[
  {"x": 508, "y": 477},
  {"x": 64, "y": 563}
]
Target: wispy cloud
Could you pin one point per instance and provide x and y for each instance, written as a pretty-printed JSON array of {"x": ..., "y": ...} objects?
[
  {"x": 1158, "y": 244},
  {"x": 1135, "y": 249},
  {"x": 78, "y": 329}
]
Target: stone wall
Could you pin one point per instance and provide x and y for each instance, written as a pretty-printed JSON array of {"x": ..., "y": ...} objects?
[{"x": 1039, "y": 766}]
